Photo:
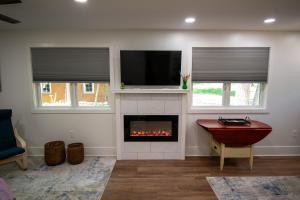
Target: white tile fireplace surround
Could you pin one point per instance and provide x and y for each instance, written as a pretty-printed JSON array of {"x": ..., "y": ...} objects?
[{"x": 150, "y": 104}]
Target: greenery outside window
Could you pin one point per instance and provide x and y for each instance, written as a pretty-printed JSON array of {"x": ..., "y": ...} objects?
[{"x": 228, "y": 94}]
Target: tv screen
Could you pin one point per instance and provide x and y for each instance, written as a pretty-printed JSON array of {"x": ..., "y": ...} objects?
[{"x": 150, "y": 67}]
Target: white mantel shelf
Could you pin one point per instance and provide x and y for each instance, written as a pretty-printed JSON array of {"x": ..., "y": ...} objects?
[{"x": 149, "y": 91}]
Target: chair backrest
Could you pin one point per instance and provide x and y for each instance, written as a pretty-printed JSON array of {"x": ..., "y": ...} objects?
[{"x": 7, "y": 136}]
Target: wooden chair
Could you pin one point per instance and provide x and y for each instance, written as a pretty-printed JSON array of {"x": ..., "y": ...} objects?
[{"x": 12, "y": 146}]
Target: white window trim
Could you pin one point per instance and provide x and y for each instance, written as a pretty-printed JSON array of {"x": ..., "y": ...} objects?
[
  {"x": 261, "y": 109},
  {"x": 87, "y": 92},
  {"x": 50, "y": 89},
  {"x": 224, "y": 110},
  {"x": 73, "y": 108}
]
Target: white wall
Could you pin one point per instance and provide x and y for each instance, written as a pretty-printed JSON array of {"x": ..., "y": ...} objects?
[{"x": 97, "y": 130}]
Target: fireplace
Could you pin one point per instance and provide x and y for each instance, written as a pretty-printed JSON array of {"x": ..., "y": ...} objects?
[{"x": 150, "y": 128}]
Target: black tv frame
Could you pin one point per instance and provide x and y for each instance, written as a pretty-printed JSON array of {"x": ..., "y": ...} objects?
[{"x": 151, "y": 85}]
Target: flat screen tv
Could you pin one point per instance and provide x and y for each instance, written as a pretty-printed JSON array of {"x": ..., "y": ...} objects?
[{"x": 150, "y": 67}]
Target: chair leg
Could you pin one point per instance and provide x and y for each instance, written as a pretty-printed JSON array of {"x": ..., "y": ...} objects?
[
  {"x": 25, "y": 164},
  {"x": 19, "y": 162},
  {"x": 22, "y": 163},
  {"x": 251, "y": 157},
  {"x": 222, "y": 156},
  {"x": 211, "y": 151}
]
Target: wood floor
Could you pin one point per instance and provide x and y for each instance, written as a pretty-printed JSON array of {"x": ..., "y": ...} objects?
[{"x": 185, "y": 180}]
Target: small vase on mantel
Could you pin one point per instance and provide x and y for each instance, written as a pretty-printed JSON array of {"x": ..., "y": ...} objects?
[
  {"x": 122, "y": 86},
  {"x": 185, "y": 78},
  {"x": 184, "y": 84}
]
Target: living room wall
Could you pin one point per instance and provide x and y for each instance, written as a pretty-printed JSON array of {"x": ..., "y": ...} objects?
[{"x": 97, "y": 130}]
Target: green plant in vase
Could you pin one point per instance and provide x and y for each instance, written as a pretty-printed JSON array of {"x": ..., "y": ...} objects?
[{"x": 185, "y": 78}]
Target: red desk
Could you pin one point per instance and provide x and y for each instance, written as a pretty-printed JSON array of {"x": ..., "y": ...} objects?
[{"x": 234, "y": 141}]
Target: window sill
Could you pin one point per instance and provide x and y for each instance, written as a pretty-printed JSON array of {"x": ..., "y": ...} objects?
[
  {"x": 229, "y": 110},
  {"x": 58, "y": 110}
]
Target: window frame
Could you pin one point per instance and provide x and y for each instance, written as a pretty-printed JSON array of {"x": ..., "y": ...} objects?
[
  {"x": 109, "y": 97},
  {"x": 74, "y": 107},
  {"x": 261, "y": 95},
  {"x": 38, "y": 94},
  {"x": 36, "y": 109},
  {"x": 226, "y": 107},
  {"x": 200, "y": 107}
]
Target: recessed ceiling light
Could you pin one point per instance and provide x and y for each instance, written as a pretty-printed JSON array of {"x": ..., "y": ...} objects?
[
  {"x": 269, "y": 20},
  {"x": 81, "y": 1},
  {"x": 190, "y": 20}
]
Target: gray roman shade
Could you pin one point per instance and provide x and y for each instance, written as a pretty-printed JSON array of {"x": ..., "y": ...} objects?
[
  {"x": 230, "y": 64},
  {"x": 70, "y": 64}
]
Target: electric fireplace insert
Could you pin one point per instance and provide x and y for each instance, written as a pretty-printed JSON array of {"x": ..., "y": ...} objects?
[{"x": 150, "y": 128}]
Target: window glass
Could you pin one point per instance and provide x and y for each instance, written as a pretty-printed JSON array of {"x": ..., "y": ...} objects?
[
  {"x": 207, "y": 94},
  {"x": 45, "y": 88},
  {"x": 88, "y": 87},
  {"x": 245, "y": 94},
  {"x": 55, "y": 94},
  {"x": 93, "y": 94}
]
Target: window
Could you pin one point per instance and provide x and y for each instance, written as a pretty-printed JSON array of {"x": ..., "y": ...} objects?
[
  {"x": 46, "y": 88},
  {"x": 207, "y": 94},
  {"x": 54, "y": 94},
  {"x": 228, "y": 94},
  {"x": 71, "y": 77},
  {"x": 246, "y": 94},
  {"x": 229, "y": 76},
  {"x": 88, "y": 88},
  {"x": 57, "y": 94},
  {"x": 97, "y": 95}
]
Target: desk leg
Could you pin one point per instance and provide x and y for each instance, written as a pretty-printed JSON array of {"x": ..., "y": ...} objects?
[
  {"x": 222, "y": 156},
  {"x": 251, "y": 157},
  {"x": 211, "y": 147}
]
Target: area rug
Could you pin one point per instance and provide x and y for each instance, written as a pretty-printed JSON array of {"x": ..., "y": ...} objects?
[
  {"x": 256, "y": 188},
  {"x": 85, "y": 181}
]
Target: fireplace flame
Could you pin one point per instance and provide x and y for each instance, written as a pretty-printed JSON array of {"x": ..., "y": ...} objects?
[{"x": 151, "y": 133}]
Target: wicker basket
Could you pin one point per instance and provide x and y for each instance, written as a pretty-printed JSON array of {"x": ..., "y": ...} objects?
[
  {"x": 55, "y": 153},
  {"x": 75, "y": 153}
]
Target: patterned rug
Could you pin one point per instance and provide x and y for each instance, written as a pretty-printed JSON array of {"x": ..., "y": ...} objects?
[
  {"x": 85, "y": 181},
  {"x": 256, "y": 188}
]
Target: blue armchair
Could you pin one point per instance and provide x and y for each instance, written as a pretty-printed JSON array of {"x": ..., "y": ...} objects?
[{"x": 12, "y": 146}]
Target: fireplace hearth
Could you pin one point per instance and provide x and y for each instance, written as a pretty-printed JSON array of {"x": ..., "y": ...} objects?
[{"x": 150, "y": 128}]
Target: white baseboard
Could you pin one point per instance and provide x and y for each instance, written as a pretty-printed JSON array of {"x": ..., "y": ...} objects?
[
  {"x": 277, "y": 150},
  {"x": 197, "y": 151},
  {"x": 258, "y": 151},
  {"x": 190, "y": 151},
  {"x": 89, "y": 151}
]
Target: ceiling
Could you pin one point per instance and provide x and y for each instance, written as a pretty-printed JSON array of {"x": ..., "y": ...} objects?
[{"x": 154, "y": 14}]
